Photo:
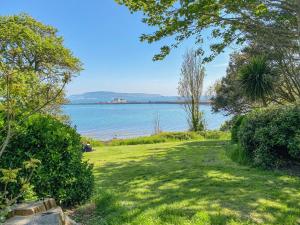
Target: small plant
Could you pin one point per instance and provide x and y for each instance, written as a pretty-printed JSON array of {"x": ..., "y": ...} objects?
[
  {"x": 156, "y": 122},
  {"x": 12, "y": 177},
  {"x": 236, "y": 123}
]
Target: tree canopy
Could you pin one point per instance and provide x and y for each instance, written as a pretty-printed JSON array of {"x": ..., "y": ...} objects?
[
  {"x": 35, "y": 66},
  {"x": 276, "y": 22},
  {"x": 257, "y": 79},
  {"x": 34, "y": 63}
]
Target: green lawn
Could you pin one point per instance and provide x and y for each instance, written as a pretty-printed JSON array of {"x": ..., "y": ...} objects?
[{"x": 186, "y": 183}]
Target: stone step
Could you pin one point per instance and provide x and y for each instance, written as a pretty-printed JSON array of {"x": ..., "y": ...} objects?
[
  {"x": 54, "y": 216},
  {"x": 27, "y": 209}
]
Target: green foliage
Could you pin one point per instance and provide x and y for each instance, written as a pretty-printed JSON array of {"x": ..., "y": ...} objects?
[
  {"x": 62, "y": 173},
  {"x": 257, "y": 79},
  {"x": 215, "y": 135},
  {"x": 227, "y": 94},
  {"x": 237, "y": 154},
  {"x": 225, "y": 22},
  {"x": 226, "y": 126},
  {"x": 236, "y": 123},
  {"x": 196, "y": 122},
  {"x": 157, "y": 138},
  {"x": 270, "y": 137},
  {"x": 172, "y": 136},
  {"x": 34, "y": 64},
  {"x": 10, "y": 177},
  {"x": 294, "y": 146},
  {"x": 180, "y": 136}
]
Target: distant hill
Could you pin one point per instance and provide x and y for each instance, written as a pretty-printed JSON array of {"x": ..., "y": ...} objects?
[{"x": 106, "y": 96}]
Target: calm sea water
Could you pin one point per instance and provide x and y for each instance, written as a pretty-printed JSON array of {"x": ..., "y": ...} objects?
[{"x": 128, "y": 120}]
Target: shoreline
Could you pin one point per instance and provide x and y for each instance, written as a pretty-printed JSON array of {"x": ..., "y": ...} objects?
[{"x": 137, "y": 103}]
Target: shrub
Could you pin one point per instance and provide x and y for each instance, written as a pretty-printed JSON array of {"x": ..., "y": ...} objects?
[
  {"x": 237, "y": 154},
  {"x": 62, "y": 174},
  {"x": 236, "y": 122},
  {"x": 226, "y": 126},
  {"x": 270, "y": 137}
]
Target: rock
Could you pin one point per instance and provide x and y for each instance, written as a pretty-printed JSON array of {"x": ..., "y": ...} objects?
[
  {"x": 49, "y": 203},
  {"x": 27, "y": 209},
  {"x": 43, "y": 212},
  {"x": 51, "y": 217}
]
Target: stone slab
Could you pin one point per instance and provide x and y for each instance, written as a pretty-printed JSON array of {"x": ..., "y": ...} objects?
[
  {"x": 49, "y": 203},
  {"x": 27, "y": 209},
  {"x": 51, "y": 217}
]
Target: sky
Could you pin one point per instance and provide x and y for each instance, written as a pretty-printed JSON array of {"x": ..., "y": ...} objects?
[{"x": 105, "y": 37}]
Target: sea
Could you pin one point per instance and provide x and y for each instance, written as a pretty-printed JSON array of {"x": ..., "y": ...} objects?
[{"x": 109, "y": 121}]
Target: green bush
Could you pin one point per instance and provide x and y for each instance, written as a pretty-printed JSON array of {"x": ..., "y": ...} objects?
[
  {"x": 236, "y": 122},
  {"x": 271, "y": 137},
  {"x": 62, "y": 173},
  {"x": 237, "y": 154},
  {"x": 226, "y": 126}
]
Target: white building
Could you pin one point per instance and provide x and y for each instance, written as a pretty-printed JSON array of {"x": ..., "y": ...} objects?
[{"x": 119, "y": 100}]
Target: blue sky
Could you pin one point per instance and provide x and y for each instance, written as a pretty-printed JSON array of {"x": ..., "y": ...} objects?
[{"x": 105, "y": 36}]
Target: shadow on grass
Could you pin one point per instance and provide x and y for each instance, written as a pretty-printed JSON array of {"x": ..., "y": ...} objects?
[{"x": 193, "y": 183}]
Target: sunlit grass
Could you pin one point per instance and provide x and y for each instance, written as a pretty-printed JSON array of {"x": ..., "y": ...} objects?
[
  {"x": 186, "y": 183},
  {"x": 173, "y": 136}
]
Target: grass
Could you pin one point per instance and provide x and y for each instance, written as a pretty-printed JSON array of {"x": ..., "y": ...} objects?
[
  {"x": 185, "y": 183},
  {"x": 237, "y": 154},
  {"x": 172, "y": 136}
]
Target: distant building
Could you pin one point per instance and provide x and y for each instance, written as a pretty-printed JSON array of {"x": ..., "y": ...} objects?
[{"x": 119, "y": 101}]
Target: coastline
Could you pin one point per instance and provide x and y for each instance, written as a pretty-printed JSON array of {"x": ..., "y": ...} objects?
[
  {"x": 108, "y": 121},
  {"x": 136, "y": 103}
]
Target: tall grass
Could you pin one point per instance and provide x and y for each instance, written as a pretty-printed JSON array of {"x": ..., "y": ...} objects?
[
  {"x": 215, "y": 135},
  {"x": 237, "y": 154},
  {"x": 172, "y": 136}
]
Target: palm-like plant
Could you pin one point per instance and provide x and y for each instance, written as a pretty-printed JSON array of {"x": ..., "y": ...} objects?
[{"x": 257, "y": 79}]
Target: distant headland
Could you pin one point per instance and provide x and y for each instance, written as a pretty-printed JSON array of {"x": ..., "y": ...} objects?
[{"x": 106, "y": 97}]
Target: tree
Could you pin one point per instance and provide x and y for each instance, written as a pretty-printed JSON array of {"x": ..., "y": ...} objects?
[
  {"x": 257, "y": 79},
  {"x": 34, "y": 69},
  {"x": 274, "y": 22},
  {"x": 190, "y": 89},
  {"x": 227, "y": 94},
  {"x": 273, "y": 70}
]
